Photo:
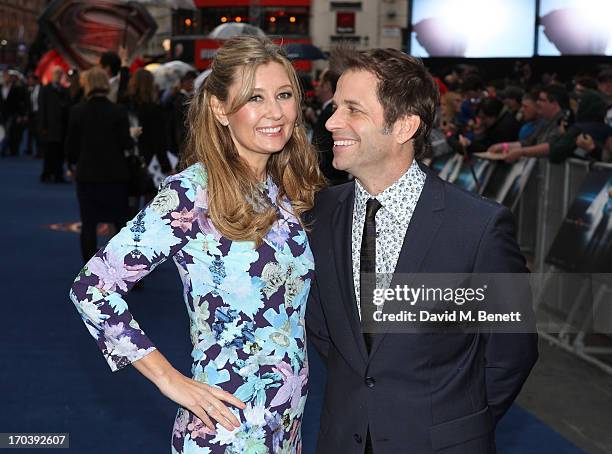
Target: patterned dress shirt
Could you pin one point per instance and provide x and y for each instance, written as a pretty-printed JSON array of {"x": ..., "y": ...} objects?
[{"x": 392, "y": 219}]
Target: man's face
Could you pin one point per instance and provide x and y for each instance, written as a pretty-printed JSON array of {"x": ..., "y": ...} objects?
[
  {"x": 546, "y": 109},
  {"x": 323, "y": 91},
  {"x": 360, "y": 145},
  {"x": 529, "y": 110},
  {"x": 605, "y": 87}
]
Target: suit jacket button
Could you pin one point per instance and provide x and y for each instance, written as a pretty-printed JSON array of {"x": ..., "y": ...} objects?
[
  {"x": 370, "y": 382},
  {"x": 357, "y": 438}
]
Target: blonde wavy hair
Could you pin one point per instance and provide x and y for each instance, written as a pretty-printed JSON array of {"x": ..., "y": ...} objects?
[{"x": 232, "y": 185}]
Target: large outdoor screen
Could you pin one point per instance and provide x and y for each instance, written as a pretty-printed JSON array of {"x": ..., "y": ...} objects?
[
  {"x": 575, "y": 27},
  {"x": 473, "y": 28}
]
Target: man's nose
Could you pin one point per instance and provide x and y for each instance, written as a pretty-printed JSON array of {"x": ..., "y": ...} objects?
[{"x": 333, "y": 123}]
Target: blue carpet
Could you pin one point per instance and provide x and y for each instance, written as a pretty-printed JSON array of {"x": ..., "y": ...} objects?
[{"x": 54, "y": 379}]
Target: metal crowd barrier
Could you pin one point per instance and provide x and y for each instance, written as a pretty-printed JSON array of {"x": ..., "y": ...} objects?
[{"x": 540, "y": 214}]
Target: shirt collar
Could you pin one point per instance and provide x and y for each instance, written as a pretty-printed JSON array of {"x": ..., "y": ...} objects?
[
  {"x": 411, "y": 181},
  {"x": 326, "y": 103}
]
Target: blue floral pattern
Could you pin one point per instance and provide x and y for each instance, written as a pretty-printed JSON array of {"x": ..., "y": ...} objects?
[{"x": 246, "y": 305}]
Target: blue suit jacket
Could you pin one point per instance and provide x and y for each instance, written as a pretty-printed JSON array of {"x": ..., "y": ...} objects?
[{"x": 417, "y": 393}]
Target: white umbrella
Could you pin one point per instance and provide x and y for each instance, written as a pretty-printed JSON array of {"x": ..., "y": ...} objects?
[
  {"x": 231, "y": 29},
  {"x": 200, "y": 79},
  {"x": 169, "y": 74}
]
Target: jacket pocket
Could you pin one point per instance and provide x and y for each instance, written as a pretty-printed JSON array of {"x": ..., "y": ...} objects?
[{"x": 462, "y": 429}]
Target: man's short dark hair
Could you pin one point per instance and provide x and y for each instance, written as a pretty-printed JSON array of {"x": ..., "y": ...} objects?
[
  {"x": 110, "y": 59},
  {"x": 405, "y": 87},
  {"x": 558, "y": 94},
  {"x": 512, "y": 92},
  {"x": 330, "y": 77},
  {"x": 605, "y": 76},
  {"x": 472, "y": 82},
  {"x": 491, "y": 107},
  {"x": 189, "y": 76}
]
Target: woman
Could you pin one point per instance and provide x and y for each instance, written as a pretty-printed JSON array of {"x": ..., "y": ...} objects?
[
  {"x": 148, "y": 116},
  {"x": 231, "y": 222},
  {"x": 98, "y": 134}
]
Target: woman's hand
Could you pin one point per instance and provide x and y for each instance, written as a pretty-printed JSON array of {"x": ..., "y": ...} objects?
[{"x": 204, "y": 401}]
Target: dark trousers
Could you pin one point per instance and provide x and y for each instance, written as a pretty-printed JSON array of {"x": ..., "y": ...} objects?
[
  {"x": 14, "y": 133},
  {"x": 53, "y": 161},
  {"x": 89, "y": 239}
]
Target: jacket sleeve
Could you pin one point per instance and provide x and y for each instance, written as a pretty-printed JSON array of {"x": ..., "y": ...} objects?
[
  {"x": 157, "y": 233},
  {"x": 509, "y": 357},
  {"x": 316, "y": 325}
]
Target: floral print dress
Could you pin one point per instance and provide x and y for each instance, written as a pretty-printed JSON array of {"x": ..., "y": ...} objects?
[{"x": 246, "y": 306}]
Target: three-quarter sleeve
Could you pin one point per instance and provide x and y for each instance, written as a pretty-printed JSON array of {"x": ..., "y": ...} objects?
[{"x": 154, "y": 235}]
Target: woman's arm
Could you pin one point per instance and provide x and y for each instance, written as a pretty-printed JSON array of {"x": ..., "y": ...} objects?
[{"x": 154, "y": 235}]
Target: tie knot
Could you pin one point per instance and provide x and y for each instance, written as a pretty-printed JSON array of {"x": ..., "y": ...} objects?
[{"x": 372, "y": 206}]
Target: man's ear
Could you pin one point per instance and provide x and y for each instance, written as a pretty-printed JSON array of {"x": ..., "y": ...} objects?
[
  {"x": 218, "y": 110},
  {"x": 406, "y": 127}
]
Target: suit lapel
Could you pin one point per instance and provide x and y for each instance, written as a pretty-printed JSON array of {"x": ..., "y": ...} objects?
[
  {"x": 424, "y": 225},
  {"x": 341, "y": 228}
]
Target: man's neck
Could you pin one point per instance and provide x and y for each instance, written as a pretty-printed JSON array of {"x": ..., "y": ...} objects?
[{"x": 379, "y": 179}]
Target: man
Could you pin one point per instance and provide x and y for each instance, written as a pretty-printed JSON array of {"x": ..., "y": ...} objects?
[
  {"x": 12, "y": 113},
  {"x": 53, "y": 103},
  {"x": 32, "y": 110},
  {"x": 321, "y": 137},
  {"x": 403, "y": 393},
  {"x": 604, "y": 85},
  {"x": 116, "y": 67},
  {"x": 552, "y": 105}
]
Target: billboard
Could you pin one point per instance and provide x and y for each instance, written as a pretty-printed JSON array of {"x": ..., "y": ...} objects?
[
  {"x": 575, "y": 27},
  {"x": 472, "y": 28}
]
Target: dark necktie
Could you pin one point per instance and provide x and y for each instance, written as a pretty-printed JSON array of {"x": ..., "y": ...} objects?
[{"x": 367, "y": 267}]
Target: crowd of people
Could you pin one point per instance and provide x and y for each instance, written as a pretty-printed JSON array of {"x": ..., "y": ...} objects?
[{"x": 550, "y": 119}]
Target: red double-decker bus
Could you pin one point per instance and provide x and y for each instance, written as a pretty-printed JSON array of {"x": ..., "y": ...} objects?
[{"x": 285, "y": 21}]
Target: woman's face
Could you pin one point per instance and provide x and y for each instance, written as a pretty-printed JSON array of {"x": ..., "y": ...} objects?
[{"x": 265, "y": 123}]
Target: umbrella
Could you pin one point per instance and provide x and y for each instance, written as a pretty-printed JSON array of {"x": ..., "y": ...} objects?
[
  {"x": 231, "y": 29},
  {"x": 301, "y": 51},
  {"x": 169, "y": 74}
]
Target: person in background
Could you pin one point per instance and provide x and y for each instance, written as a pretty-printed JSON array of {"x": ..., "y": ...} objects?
[
  {"x": 116, "y": 67},
  {"x": 180, "y": 104},
  {"x": 53, "y": 105},
  {"x": 151, "y": 138},
  {"x": 553, "y": 107},
  {"x": 98, "y": 134},
  {"x": 496, "y": 124},
  {"x": 13, "y": 110},
  {"x": 528, "y": 115},
  {"x": 450, "y": 107},
  {"x": 512, "y": 97},
  {"x": 34, "y": 88},
  {"x": 604, "y": 85},
  {"x": 587, "y": 137},
  {"x": 321, "y": 137}
]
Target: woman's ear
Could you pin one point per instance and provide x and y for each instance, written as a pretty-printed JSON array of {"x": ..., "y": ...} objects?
[
  {"x": 218, "y": 110},
  {"x": 407, "y": 127}
]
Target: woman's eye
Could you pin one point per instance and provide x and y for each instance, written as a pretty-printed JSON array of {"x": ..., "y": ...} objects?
[
  {"x": 286, "y": 95},
  {"x": 255, "y": 98}
]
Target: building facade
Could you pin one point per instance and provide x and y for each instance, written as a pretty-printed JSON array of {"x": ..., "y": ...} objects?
[{"x": 366, "y": 23}]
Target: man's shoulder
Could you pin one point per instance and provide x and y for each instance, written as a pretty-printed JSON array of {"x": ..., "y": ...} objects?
[
  {"x": 328, "y": 197},
  {"x": 466, "y": 206}
]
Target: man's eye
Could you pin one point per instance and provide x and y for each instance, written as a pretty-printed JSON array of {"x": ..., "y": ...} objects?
[{"x": 286, "y": 95}]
